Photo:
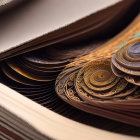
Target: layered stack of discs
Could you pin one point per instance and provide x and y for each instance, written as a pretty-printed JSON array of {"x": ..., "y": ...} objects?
[
  {"x": 95, "y": 89},
  {"x": 126, "y": 61},
  {"x": 43, "y": 93},
  {"x": 33, "y": 74}
]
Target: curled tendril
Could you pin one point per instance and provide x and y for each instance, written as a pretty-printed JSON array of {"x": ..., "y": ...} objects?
[
  {"x": 94, "y": 88},
  {"x": 126, "y": 61}
]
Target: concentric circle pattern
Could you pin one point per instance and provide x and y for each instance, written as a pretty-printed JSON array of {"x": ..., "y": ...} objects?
[
  {"x": 91, "y": 93},
  {"x": 126, "y": 61},
  {"x": 94, "y": 88}
]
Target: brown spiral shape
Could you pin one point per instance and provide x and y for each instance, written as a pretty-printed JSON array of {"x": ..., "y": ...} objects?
[
  {"x": 94, "y": 88},
  {"x": 126, "y": 62}
]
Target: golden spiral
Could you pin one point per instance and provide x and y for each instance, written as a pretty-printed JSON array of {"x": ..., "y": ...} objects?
[
  {"x": 94, "y": 88},
  {"x": 126, "y": 61}
]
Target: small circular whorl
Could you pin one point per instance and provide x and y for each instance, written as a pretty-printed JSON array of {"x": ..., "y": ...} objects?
[
  {"x": 126, "y": 61},
  {"x": 95, "y": 89},
  {"x": 96, "y": 81}
]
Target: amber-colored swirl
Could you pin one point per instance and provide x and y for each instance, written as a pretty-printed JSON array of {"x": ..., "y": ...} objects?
[
  {"x": 126, "y": 61},
  {"x": 96, "y": 81},
  {"x": 94, "y": 88}
]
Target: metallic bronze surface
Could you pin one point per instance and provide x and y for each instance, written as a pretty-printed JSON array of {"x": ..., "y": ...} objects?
[
  {"x": 126, "y": 61},
  {"x": 95, "y": 89}
]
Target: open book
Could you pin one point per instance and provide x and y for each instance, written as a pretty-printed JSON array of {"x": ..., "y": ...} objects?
[{"x": 63, "y": 73}]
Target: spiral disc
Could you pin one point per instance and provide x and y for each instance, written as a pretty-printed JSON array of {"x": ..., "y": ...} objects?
[
  {"x": 126, "y": 61},
  {"x": 95, "y": 89}
]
